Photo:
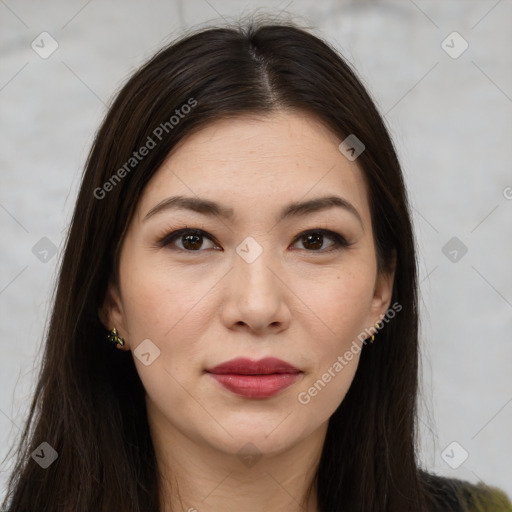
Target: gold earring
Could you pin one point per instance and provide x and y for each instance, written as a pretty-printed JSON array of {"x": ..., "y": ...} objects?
[
  {"x": 377, "y": 326},
  {"x": 115, "y": 338}
]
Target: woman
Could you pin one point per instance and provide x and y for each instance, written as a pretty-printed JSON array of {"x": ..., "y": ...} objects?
[{"x": 242, "y": 233}]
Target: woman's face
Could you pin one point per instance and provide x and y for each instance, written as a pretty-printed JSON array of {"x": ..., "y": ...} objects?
[{"x": 251, "y": 284}]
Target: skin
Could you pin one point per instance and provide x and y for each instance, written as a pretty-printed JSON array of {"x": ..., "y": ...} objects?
[{"x": 296, "y": 301}]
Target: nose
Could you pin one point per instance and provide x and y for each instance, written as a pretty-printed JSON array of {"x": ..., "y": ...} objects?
[{"x": 257, "y": 298}]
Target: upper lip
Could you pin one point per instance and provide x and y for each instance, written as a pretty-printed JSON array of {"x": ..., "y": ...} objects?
[{"x": 244, "y": 366}]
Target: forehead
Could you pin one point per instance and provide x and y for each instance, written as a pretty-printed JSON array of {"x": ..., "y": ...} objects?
[{"x": 257, "y": 163}]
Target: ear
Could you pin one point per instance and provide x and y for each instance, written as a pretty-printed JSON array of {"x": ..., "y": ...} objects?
[
  {"x": 383, "y": 291},
  {"x": 111, "y": 313}
]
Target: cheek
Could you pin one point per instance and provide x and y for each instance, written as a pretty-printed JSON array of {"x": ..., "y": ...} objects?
[
  {"x": 164, "y": 307},
  {"x": 342, "y": 301},
  {"x": 157, "y": 299},
  {"x": 171, "y": 308},
  {"x": 321, "y": 394}
]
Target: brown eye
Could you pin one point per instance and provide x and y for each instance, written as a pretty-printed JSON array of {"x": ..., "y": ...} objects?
[
  {"x": 192, "y": 240},
  {"x": 313, "y": 241}
]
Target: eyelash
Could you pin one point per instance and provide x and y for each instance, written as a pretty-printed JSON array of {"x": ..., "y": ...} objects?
[{"x": 339, "y": 241}]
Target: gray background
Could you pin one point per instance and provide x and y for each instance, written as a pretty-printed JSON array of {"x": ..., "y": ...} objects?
[{"x": 451, "y": 119}]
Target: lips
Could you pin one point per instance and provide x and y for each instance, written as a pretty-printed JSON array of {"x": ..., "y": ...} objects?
[
  {"x": 243, "y": 366},
  {"x": 255, "y": 379}
]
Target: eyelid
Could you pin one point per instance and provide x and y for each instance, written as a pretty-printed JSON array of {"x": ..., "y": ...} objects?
[
  {"x": 173, "y": 235},
  {"x": 339, "y": 240}
]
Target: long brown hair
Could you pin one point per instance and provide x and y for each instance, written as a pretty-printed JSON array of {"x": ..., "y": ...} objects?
[{"x": 89, "y": 401}]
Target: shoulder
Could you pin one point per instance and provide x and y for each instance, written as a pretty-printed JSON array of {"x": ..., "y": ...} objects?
[{"x": 453, "y": 495}]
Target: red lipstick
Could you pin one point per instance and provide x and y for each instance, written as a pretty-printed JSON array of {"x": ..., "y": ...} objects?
[{"x": 255, "y": 379}]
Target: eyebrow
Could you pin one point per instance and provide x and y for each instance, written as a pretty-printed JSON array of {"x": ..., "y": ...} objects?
[{"x": 213, "y": 209}]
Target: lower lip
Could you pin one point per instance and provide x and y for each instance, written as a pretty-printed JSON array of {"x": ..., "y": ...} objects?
[{"x": 256, "y": 386}]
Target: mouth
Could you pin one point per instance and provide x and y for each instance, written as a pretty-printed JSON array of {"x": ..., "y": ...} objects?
[{"x": 255, "y": 379}]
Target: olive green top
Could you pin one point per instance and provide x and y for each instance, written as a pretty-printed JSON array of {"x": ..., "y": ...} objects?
[
  {"x": 453, "y": 495},
  {"x": 482, "y": 498}
]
